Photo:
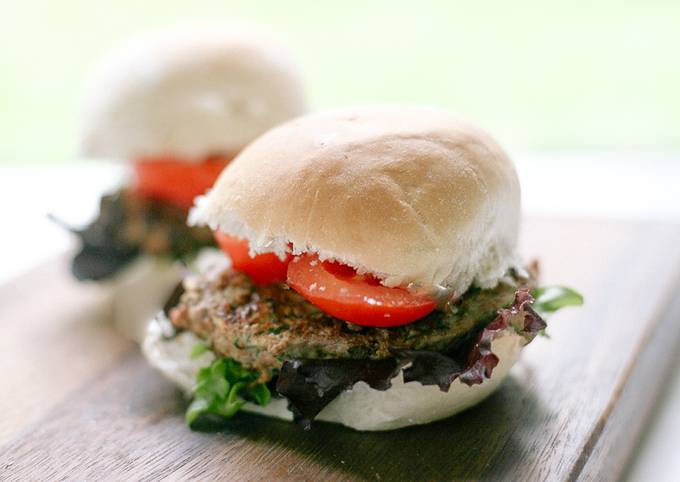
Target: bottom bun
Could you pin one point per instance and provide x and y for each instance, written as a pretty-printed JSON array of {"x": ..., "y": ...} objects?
[
  {"x": 141, "y": 289},
  {"x": 361, "y": 407}
]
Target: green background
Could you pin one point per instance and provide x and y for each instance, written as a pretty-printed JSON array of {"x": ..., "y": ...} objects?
[{"x": 541, "y": 75}]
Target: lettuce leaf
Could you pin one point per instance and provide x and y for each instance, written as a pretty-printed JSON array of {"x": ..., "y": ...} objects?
[
  {"x": 310, "y": 385},
  {"x": 549, "y": 299},
  {"x": 107, "y": 244},
  {"x": 199, "y": 350},
  {"x": 221, "y": 390}
]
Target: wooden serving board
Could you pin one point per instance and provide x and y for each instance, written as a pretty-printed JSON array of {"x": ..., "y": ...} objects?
[{"x": 78, "y": 402}]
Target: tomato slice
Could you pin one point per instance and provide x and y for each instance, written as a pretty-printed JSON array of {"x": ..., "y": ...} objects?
[
  {"x": 264, "y": 268},
  {"x": 339, "y": 291},
  {"x": 175, "y": 181}
]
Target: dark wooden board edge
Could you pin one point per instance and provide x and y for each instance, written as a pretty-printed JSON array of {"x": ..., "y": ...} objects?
[{"x": 614, "y": 439}]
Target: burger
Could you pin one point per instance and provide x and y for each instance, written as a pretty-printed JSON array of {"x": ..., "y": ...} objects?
[
  {"x": 177, "y": 106},
  {"x": 374, "y": 280}
]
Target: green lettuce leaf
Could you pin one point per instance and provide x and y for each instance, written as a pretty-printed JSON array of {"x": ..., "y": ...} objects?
[
  {"x": 549, "y": 299},
  {"x": 221, "y": 390},
  {"x": 199, "y": 350}
]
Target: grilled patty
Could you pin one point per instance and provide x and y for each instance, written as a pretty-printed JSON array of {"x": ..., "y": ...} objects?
[{"x": 261, "y": 326}]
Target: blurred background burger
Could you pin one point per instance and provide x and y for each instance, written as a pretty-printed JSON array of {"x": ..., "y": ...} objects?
[{"x": 176, "y": 106}]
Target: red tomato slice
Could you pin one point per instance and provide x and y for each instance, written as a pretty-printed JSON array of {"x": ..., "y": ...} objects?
[
  {"x": 175, "y": 181},
  {"x": 264, "y": 268},
  {"x": 361, "y": 299}
]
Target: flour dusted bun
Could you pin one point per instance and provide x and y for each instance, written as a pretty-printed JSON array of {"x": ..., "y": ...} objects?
[
  {"x": 188, "y": 93},
  {"x": 411, "y": 194},
  {"x": 360, "y": 408}
]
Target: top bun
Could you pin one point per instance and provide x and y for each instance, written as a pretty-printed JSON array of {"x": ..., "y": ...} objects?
[
  {"x": 410, "y": 194},
  {"x": 188, "y": 94}
]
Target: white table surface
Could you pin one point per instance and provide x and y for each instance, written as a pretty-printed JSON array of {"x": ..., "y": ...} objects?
[{"x": 615, "y": 185}]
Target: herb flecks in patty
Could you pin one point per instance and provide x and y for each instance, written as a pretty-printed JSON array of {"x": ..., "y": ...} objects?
[{"x": 262, "y": 326}]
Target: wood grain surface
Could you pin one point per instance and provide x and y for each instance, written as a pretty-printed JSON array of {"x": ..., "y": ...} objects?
[{"x": 78, "y": 402}]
